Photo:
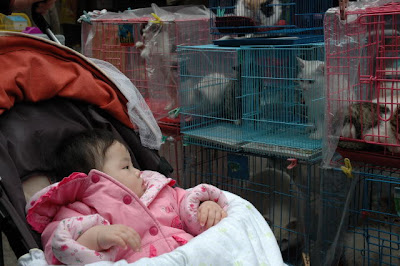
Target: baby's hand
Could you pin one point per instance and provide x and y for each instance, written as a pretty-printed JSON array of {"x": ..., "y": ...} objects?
[
  {"x": 118, "y": 235},
  {"x": 210, "y": 213},
  {"x": 102, "y": 237}
]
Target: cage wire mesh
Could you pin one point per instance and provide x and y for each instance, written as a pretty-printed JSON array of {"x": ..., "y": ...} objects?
[
  {"x": 144, "y": 49},
  {"x": 362, "y": 63},
  {"x": 172, "y": 150},
  {"x": 268, "y": 99},
  {"x": 284, "y": 100},
  {"x": 210, "y": 94},
  {"x": 359, "y": 220},
  {"x": 268, "y": 17},
  {"x": 284, "y": 197}
]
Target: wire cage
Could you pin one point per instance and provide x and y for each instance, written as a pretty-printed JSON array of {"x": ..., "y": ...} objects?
[
  {"x": 267, "y": 100},
  {"x": 284, "y": 100},
  {"x": 172, "y": 150},
  {"x": 143, "y": 47},
  {"x": 362, "y": 63},
  {"x": 210, "y": 93},
  {"x": 268, "y": 17},
  {"x": 360, "y": 216},
  {"x": 283, "y": 196}
]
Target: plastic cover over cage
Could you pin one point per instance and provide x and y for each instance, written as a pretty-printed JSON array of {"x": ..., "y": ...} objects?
[
  {"x": 143, "y": 47},
  {"x": 268, "y": 17},
  {"x": 363, "y": 76}
]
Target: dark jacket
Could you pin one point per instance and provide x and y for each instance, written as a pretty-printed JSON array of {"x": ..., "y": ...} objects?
[{"x": 5, "y": 6}]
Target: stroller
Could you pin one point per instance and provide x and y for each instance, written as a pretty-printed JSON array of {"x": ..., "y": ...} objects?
[{"x": 49, "y": 92}]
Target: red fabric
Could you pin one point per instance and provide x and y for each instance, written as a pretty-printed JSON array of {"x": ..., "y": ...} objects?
[{"x": 32, "y": 70}]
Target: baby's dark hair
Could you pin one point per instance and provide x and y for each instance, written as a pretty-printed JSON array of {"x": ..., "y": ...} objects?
[{"x": 82, "y": 152}]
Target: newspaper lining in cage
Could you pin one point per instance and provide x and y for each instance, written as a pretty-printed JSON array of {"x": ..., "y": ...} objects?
[{"x": 363, "y": 67}]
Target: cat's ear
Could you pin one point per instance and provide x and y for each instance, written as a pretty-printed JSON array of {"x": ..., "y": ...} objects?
[
  {"x": 321, "y": 68},
  {"x": 301, "y": 62}
]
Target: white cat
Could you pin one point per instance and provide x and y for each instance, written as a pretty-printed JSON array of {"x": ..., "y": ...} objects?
[
  {"x": 311, "y": 80},
  {"x": 264, "y": 12}
]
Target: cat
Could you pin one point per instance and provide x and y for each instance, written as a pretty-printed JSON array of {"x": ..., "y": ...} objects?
[
  {"x": 371, "y": 246},
  {"x": 218, "y": 96},
  {"x": 363, "y": 121},
  {"x": 277, "y": 203},
  {"x": 311, "y": 80},
  {"x": 159, "y": 50},
  {"x": 264, "y": 12}
]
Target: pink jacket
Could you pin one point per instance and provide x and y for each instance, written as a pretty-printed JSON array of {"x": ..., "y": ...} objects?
[{"x": 164, "y": 217}]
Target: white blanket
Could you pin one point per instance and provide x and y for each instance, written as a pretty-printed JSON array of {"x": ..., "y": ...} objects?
[{"x": 243, "y": 238}]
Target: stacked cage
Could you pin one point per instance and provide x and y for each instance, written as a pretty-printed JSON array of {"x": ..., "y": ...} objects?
[
  {"x": 360, "y": 222},
  {"x": 284, "y": 100},
  {"x": 143, "y": 47},
  {"x": 362, "y": 65},
  {"x": 269, "y": 17},
  {"x": 268, "y": 100},
  {"x": 283, "y": 195},
  {"x": 211, "y": 95},
  {"x": 359, "y": 205}
]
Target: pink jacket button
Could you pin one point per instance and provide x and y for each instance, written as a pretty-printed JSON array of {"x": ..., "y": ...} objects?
[
  {"x": 95, "y": 178},
  {"x": 127, "y": 200},
  {"x": 153, "y": 231}
]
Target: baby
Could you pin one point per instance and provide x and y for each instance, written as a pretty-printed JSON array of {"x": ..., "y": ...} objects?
[{"x": 109, "y": 210}]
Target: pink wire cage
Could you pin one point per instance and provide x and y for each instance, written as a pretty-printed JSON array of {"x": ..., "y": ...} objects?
[
  {"x": 113, "y": 37},
  {"x": 363, "y": 82}
]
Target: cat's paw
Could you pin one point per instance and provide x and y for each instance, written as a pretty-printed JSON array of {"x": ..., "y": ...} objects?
[{"x": 348, "y": 131}]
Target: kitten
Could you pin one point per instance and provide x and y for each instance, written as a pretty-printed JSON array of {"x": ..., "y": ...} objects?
[
  {"x": 365, "y": 123},
  {"x": 277, "y": 203},
  {"x": 218, "y": 96},
  {"x": 264, "y": 12},
  {"x": 311, "y": 80}
]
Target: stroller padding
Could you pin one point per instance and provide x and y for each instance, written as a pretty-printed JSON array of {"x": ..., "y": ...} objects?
[
  {"x": 34, "y": 70},
  {"x": 29, "y": 134}
]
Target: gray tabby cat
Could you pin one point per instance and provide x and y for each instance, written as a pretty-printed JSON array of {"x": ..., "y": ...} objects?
[{"x": 311, "y": 80}]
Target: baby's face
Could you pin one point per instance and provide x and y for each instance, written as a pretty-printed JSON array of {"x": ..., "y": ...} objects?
[{"x": 118, "y": 164}]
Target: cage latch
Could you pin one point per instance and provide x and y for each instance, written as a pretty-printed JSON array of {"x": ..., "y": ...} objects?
[
  {"x": 342, "y": 7},
  {"x": 293, "y": 163},
  {"x": 347, "y": 168}
]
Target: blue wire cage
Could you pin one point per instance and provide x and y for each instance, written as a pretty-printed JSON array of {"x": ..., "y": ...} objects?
[
  {"x": 210, "y": 94},
  {"x": 284, "y": 100},
  {"x": 267, "y": 99},
  {"x": 268, "y": 17},
  {"x": 360, "y": 218},
  {"x": 283, "y": 196}
]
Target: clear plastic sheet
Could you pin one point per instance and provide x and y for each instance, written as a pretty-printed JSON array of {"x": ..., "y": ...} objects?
[
  {"x": 347, "y": 52},
  {"x": 139, "y": 112},
  {"x": 141, "y": 43},
  {"x": 344, "y": 199}
]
